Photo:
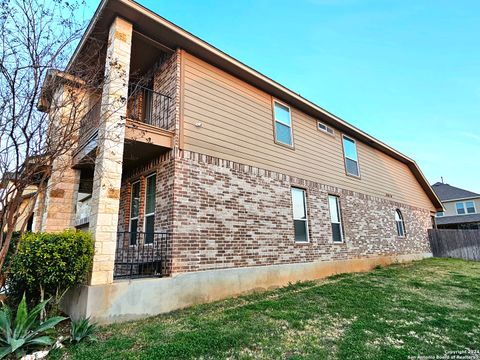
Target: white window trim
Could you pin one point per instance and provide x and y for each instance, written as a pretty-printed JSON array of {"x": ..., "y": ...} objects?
[
  {"x": 465, "y": 207},
  {"x": 339, "y": 215},
  {"x": 130, "y": 214},
  {"x": 402, "y": 221},
  {"x": 145, "y": 209},
  {"x": 281, "y": 122},
  {"x": 345, "y": 157},
  {"x": 305, "y": 205}
]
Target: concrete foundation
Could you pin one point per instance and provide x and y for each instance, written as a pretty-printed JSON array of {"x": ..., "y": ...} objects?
[{"x": 132, "y": 299}]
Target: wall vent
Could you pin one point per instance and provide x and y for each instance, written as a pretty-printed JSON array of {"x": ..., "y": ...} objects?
[{"x": 325, "y": 128}]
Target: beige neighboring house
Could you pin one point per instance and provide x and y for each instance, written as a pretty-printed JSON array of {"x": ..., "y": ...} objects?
[
  {"x": 461, "y": 207},
  {"x": 220, "y": 180},
  {"x": 25, "y": 216}
]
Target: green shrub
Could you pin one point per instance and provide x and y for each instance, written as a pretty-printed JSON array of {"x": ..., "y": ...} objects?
[
  {"x": 24, "y": 332},
  {"x": 48, "y": 264},
  {"x": 82, "y": 330}
]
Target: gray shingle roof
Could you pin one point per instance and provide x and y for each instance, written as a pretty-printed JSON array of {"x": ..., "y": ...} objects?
[
  {"x": 447, "y": 192},
  {"x": 457, "y": 219}
]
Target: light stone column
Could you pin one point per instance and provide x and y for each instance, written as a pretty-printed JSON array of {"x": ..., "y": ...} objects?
[
  {"x": 108, "y": 163},
  {"x": 61, "y": 196},
  {"x": 59, "y": 202},
  {"x": 38, "y": 211}
]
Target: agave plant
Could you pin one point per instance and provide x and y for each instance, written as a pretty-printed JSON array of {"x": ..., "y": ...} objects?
[
  {"x": 82, "y": 330},
  {"x": 25, "y": 331}
]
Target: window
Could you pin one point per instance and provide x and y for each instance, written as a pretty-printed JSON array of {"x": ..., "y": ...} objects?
[
  {"x": 440, "y": 213},
  {"x": 335, "y": 218},
  {"x": 470, "y": 205},
  {"x": 351, "y": 158},
  {"x": 325, "y": 128},
  {"x": 467, "y": 207},
  {"x": 134, "y": 210},
  {"x": 150, "y": 208},
  {"x": 400, "y": 223},
  {"x": 300, "y": 221},
  {"x": 283, "y": 124}
]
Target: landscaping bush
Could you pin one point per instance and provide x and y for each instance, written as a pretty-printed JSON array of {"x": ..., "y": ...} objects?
[{"x": 48, "y": 264}]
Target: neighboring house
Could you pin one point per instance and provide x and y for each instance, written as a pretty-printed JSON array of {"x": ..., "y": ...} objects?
[
  {"x": 462, "y": 207},
  {"x": 222, "y": 181},
  {"x": 25, "y": 211}
]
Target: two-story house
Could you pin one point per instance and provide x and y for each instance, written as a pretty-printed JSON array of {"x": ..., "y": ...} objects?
[
  {"x": 212, "y": 179},
  {"x": 462, "y": 207}
]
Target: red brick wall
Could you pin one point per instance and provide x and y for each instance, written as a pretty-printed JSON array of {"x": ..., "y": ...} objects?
[
  {"x": 223, "y": 214},
  {"x": 166, "y": 80},
  {"x": 232, "y": 215},
  {"x": 163, "y": 167}
]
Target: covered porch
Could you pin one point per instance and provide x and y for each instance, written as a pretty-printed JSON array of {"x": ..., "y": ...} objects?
[
  {"x": 131, "y": 122},
  {"x": 141, "y": 255}
]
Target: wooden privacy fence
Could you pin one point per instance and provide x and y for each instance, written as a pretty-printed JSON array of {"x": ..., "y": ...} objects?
[{"x": 460, "y": 244}]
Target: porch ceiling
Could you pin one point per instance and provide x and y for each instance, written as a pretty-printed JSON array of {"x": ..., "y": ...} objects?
[{"x": 145, "y": 53}]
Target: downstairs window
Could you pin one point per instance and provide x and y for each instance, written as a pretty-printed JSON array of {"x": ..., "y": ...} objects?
[{"x": 300, "y": 221}]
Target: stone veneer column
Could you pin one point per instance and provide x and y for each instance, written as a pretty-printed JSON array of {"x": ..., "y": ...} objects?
[
  {"x": 108, "y": 163},
  {"x": 61, "y": 196},
  {"x": 58, "y": 205}
]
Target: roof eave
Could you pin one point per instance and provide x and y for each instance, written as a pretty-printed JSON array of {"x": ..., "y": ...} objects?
[{"x": 462, "y": 199}]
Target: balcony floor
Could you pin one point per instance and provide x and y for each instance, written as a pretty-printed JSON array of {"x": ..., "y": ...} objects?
[{"x": 143, "y": 142}]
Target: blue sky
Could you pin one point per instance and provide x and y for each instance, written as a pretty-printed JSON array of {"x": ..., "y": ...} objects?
[{"x": 406, "y": 72}]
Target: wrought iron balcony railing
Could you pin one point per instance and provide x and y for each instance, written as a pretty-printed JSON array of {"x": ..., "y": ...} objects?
[
  {"x": 143, "y": 105},
  {"x": 140, "y": 254},
  {"x": 150, "y": 107},
  {"x": 89, "y": 123}
]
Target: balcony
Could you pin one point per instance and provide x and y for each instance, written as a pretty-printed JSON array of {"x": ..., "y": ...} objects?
[
  {"x": 140, "y": 255},
  {"x": 149, "y": 128},
  {"x": 150, "y": 107}
]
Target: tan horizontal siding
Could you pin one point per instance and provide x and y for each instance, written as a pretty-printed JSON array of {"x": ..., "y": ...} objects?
[{"x": 237, "y": 125}]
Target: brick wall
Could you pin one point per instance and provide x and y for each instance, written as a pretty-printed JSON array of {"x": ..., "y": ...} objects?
[
  {"x": 166, "y": 80},
  {"x": 223, "y": 214},
  {"x": 163, "y": 167},
  {"x": 232, "y": 215}
]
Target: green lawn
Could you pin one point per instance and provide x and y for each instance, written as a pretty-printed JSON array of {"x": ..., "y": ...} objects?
[{"x": 423, "y": 308}]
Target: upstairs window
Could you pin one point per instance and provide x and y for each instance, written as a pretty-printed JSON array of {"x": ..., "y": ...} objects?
[
  {"x": 335, "y": 218},
  {"x": 300, "y": 221},
  {"x": 150, "y": 208},
  {"x": 467, "y": 207},
  {"x": 283, "y": 124},
  {"x": 470, "y": 205},
  {"x": 400, "y": 223},
  {"x": 440, "y": 213},
  {"x": 351, "y": 158},
  {"x": 134, "y": 211}
]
